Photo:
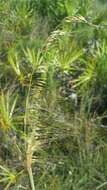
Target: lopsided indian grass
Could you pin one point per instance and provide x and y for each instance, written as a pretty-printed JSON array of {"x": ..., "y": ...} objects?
[{"x": 55, "y": 148}]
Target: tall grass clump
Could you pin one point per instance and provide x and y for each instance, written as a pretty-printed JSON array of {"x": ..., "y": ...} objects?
[{"x": 53, "y": 95}]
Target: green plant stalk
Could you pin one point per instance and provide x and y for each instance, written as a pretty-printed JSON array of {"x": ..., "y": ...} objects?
[
  {"x": 27, "y": 102},
  {"x": 29, "y": 169},
  {"x": 8, "y": 186},
  {"x": 31, "y": 178}
]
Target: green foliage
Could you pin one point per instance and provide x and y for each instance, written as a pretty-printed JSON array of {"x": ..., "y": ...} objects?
[
  {"x": 6, "y": 111},
  {"x": 54, "y": 11},
  {"x": 53, "y": 95}
]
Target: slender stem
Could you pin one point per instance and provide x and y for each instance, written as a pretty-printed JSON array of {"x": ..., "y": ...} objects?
[
  {"x": 31, "y": 178},
  {"x": 26, "y": 110},
  {"x": 27, "y": 102}
]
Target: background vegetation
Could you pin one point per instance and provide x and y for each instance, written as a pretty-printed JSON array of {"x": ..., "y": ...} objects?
[{"x": 53, "y": 94}]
